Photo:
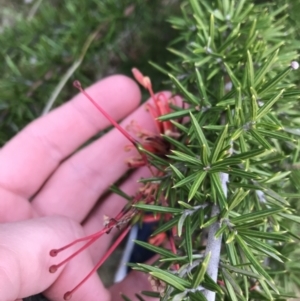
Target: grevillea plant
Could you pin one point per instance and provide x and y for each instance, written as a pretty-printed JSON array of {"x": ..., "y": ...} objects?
[
  {"x": 147, "y": 144},
  {"x": 225, "y": 182}
]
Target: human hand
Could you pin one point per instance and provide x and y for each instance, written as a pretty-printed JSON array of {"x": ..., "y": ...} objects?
[{"x": 40, "y": 165}]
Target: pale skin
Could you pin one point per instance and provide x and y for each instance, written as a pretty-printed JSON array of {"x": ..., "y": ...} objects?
[{"x": 49, "y": 195}]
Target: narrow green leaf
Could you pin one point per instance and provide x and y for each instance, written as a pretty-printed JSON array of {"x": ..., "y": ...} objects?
[
  {"x": 219, "y": 145},
  {"x": 268, "y": 126},
  {"x": 180, "y": 126},
  {"x": 201, "y": 87},
  {"x": 249, "y": 155},
  {"x": 209, "y": 222},
  {"x": 188, "y": 238},
  {"x": 213, "y": 127},
  {"x": 279, "y": 176},
  {"x": 238, "y": 117},
  {"x": 168, "y": 279},
  {"x": 275, "y": 134},
  {"x": 186, "y": 180},
  {"x": 273, "y": 82},
  {"x": 240, "y": 271},
  {"x": 177, "y": 172},
  {"x": 254, "y": 106},
  {"x": 273, "y": 194},
  {"x": 266, "y": 288},
  {"x": 225, "y": 163},
  {"x": 216, "y": 183},
  {"x": 179, "y": 145},
  {"x": 198, "y": 181},
  {"x": 156, "y": 208},
  {"x": 263, "y": 248},
  {"x": 237, "y": 134},
  {"x": 151, "y": 294},
  {"x": 204, "y": 156},
  {"x": 294, "y": 218},
  {"x": 268, "y": 105},
  {"x": 180, "y": 281},
  {"x": 255, "y": 216},
  {"x": 277, "y": 236},
  {"x": 155, "y": 158},
  {"x": 203, "y": 61},
  {"x": 230, "y": 237},
  {"x": 260, "y": 139},
  {"x": 199, "y": 134},
  {"x": 195, "y": 296},
  {"x": 224, "y": 103},
  {"x": 189, "y": 97},
  {"x": 222, "y": 229},
  {"x": 240, "y": 5},
  {"x": 238, "y": 198},
  {"x": 243, "y": 174},
  {"x": 12, "y": 66},
  {"x": 180, "y": 224},
  {"x": 212, "y": 285},
  {"x": 176, "y": 115},
  {"x": 212, "y": 27},
  {"x": 200, "y": 272},
  {"x": 229, "y": 282},
  {"x": 121, "y": 193},
  {"x": 233, "y": 36},
  {"x": 250, "y": 225},
  {"x": 185, "y": 205},
  {"x": 157, "y": 250},
  {"x": 196, "y": 8},
  {"x": 185, "y": 157},
  {"x": 265, "y": 68},
  {"x": 250, "y": 69},
  {"x": 159, "y": 68},
  {"x": 252, "y": 258},
  {"x": 252, "y": 34},
  {"x": 166, "y": 226},
  {"x": 178, "y": 53},
  {"x": 233, "y": 78}
]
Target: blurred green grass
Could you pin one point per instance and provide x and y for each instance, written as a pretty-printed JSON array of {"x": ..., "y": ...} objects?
[{"x": 45, "y": 45}]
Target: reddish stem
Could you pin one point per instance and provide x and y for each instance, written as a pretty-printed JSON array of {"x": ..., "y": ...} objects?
[
  {"x": 78, "y": 86},
  {"x": 68, "y": 295},
  {"x": 96, "y": 235},
  {"x": 54, "y": 267}
]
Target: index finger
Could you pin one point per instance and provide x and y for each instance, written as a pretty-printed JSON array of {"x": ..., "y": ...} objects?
[{"x": 30, "y": 158}]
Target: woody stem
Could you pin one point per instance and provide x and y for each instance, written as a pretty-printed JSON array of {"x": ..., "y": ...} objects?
[{"x": 214, "y": 244}]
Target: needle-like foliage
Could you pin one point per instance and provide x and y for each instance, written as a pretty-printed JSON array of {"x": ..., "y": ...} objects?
[{"x": 234, "y": 172}]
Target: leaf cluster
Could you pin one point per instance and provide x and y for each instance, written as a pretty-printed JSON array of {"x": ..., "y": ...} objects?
[{"x": 234, "y": 170}]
